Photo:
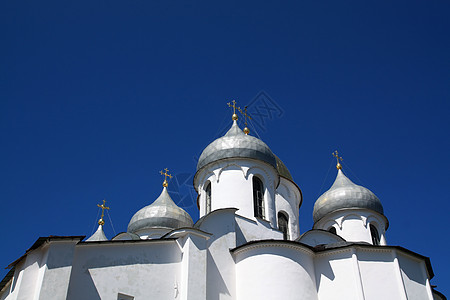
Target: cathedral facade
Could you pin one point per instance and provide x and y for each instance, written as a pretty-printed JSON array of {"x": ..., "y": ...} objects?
[{"x": 246, "y": 245}]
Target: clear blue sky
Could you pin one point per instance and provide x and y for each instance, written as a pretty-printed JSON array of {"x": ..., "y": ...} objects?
[{"x": 97, "y": 96}]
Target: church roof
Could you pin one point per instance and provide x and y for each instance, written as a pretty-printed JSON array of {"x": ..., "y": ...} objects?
[
  {"x": 236, "y": 144},
  {"x": 99, "y": 235},
  {"x": 345, "y": 194},
  {"x": 163, "y": 212},
  {"x": 282, "y": 169}
]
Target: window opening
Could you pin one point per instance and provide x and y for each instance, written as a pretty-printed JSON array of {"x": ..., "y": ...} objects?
[
  {"x": 375, "y": 235},
  {"x": 258, "y": 197},
  {"x": 208, "y": 197},
  {"x": 332, "y": 229},
  {"x": 283, "y": 226}
]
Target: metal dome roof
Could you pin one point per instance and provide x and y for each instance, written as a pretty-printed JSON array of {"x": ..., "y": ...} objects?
[
  {"x": 163, "y": 212},
  {"x": 282, "y": 169},
  {"x": 345, "y": 194},
  {"x": 235, "y": 143},
  {"x": 99, "y": 235}
]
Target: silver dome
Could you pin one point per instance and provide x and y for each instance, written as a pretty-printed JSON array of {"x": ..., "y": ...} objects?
[
  {"x": 345, "y": 194},
  {"x": 161, "y": 213},
  {"x": 283, "y": 170},
  {"x": 235, "y": 143},
  {"x": 98, "y": 236}
]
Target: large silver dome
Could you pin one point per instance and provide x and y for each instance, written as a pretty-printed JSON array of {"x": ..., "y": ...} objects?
[
  {"x": 161, "y": 213},
  {"x": 345, "y": 194},
  {"x": 235, "y": 143}
]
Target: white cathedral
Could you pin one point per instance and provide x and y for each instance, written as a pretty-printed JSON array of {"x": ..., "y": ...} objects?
[{"x": 246, "y": 244}]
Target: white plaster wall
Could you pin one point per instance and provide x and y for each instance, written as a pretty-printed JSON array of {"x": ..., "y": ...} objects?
[
  {"x": 353, "y": 225},
  {"x": 193, "y": 267},
  {"x": 275, "y": 272},
  {"x": 414, "y": 276},
  {"x": 337, "y": 276},
  {"x": 144, "y": 270},
  {"x": 287, "y": 199},
  {"x": 379, "y": 274},
  {"x": 253, "y": 230},
  {"x": 57, "y": 269},
  {"x": 221, "y": 280},
  {"x": 319, "y": 237},
  {"x": 231, "y": 186},
  {"x": 28, "y": 283}
]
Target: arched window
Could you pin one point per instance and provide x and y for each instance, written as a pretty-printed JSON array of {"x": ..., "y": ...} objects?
[
  {"x": 208, "y": 197},
  {"x": 283, "y": 226},
  {"x": 258, "y": 197},
  {"x": 375, "y": 235},
  {"x": 332, "y": 229}
]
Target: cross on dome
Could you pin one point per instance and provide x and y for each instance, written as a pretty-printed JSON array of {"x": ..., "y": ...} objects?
[
  {"x": 165, "y": 174},
  {"x": 103, "y": 207},
  {"x": 235, "y": 116},
  {"x": 338, "y": 158},
  {"x": 246, "y": 115}
]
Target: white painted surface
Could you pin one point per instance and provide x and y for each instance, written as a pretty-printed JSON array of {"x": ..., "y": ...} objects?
[
  {"x": 353, "y": 225},
  {"x": 273, "y": 272}
]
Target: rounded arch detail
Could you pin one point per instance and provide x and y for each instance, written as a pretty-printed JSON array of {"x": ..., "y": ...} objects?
[{"x": 231, "y": 166}]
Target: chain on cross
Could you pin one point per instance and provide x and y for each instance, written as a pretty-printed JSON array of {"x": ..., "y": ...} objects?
[
  {"x": 165, "y": 174},
  {"x": 103, "y": 207},
  {"x": 338, "y": 159}
]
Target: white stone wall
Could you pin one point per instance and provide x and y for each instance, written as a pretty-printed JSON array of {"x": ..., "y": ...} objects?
[
  {"x": 287, "y": 200},
  {"x": 354, "y": 224},
  {"x": 231, "y": 186},
  {"x": 273, "y": 272},
  {"x": 144, "y": 270}
]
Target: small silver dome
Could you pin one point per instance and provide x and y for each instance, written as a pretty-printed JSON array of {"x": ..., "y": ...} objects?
[
  {"x": 161, "y": 213},
  {"x": 98, "y": 236},
  {"x": 235, "y": 143},
  {"x": 283, "y": 170},
  {"x": 345, "y": 194}
]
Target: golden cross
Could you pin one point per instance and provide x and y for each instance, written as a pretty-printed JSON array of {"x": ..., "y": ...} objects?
[
  {"x": 246, "y": 115},
  {"x": 338, "y": 158},
  {"x": 103, "y": 207},
  {"x": 165, "y": 174},
  {"x": 234, "y": 117}
]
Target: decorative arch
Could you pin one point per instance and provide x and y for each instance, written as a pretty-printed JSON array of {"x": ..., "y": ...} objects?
[
  {"x": 352, "y": 216},
  {"x": 283, "y": 223},
  {"x": 207, "y": 175},
  {"x": 331, "y": 223},
  {"x": 231, "y": 166},
  {"x": 372, "y": 219},
  {"x": 256, "y": 170}
]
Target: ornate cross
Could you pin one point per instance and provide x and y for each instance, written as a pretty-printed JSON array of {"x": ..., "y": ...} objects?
[
  {"x": 165, "y": 174},
  {"x": 235, "y": 116},
  {"x": 246, "y": 115},
  {"x": 103, "y": 207},
  {"x": 338, "y": 158}
]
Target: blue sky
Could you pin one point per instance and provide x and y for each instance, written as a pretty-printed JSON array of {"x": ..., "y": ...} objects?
[{"x": 96, "y": 97}]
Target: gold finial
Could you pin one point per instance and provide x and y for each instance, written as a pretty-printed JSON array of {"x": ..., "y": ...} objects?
[
  {"x": 103, "y": 207},
  {"x": 246, "y": 115},
  {"x": 338, "y": 158},
  {"x": 165, "y": 174},
  {"x": 235, "y": 116}
]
